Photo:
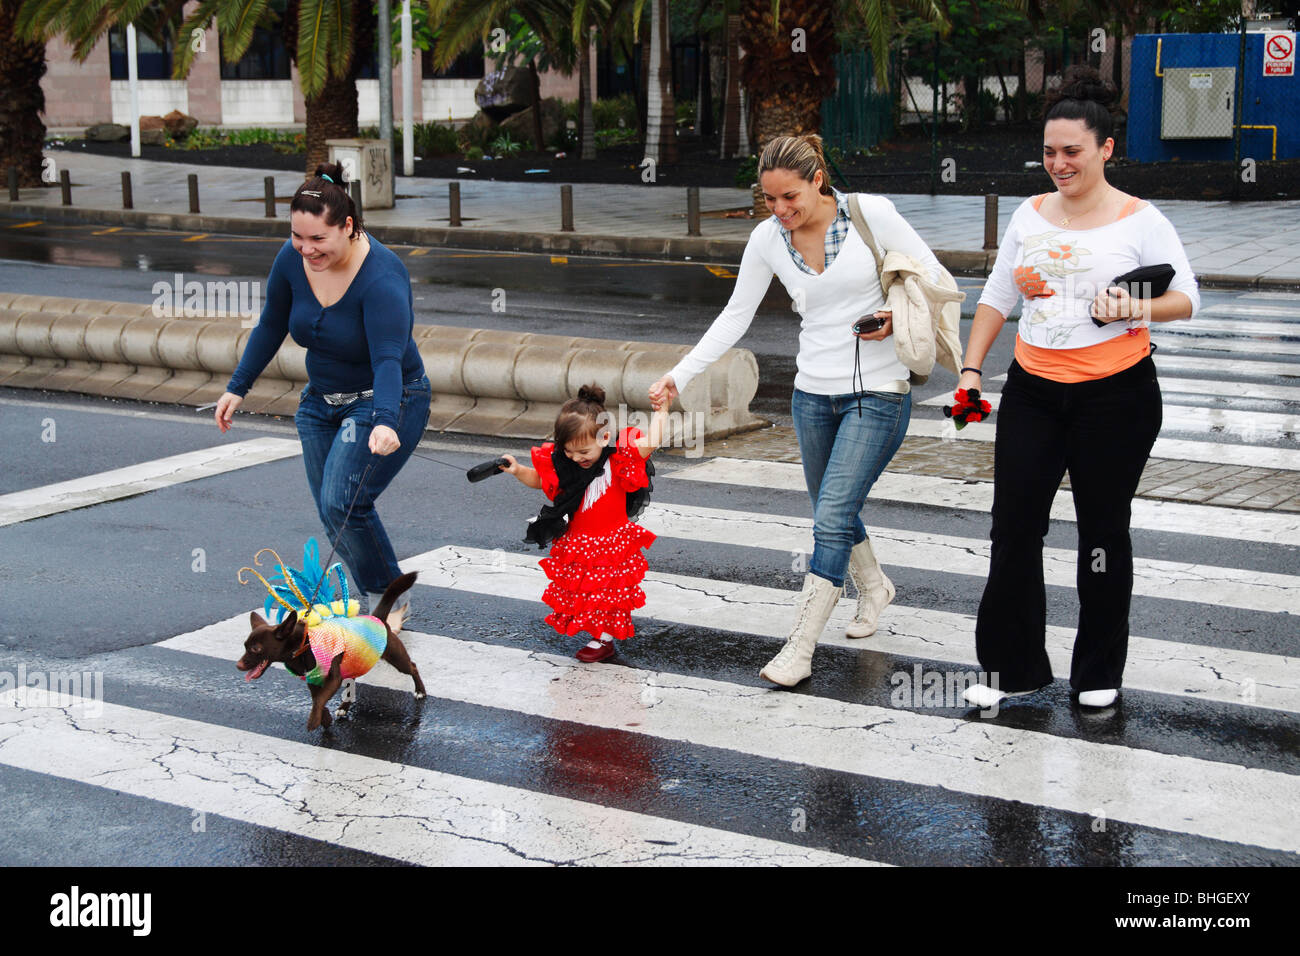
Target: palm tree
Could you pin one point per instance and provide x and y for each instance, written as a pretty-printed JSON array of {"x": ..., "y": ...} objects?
[
  {"x": 22, "y": 64},
  {"x": 661, "y": 114},
  {"x": 789, "y": 68},
  {"x": 321, "y": 36}
]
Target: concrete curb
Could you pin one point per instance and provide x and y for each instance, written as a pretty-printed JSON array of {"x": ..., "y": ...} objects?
[{"x": 485, "y": 381}]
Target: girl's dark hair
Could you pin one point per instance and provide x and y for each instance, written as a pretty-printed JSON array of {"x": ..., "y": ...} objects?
[
  {"x": 580, "y": 417},
  {"x": 318, "y": 195},
  {"x": 1083, "y": 95},
  {"x": 799, "y": 154}
]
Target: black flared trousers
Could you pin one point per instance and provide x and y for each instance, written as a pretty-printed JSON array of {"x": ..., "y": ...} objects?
[{"x": 1101, "y": 432}]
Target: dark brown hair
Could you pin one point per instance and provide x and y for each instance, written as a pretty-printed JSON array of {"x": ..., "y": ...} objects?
[
  {"x": 320, "y": 195},
  {"x": 580, "y": 417},
  {"x": 1083, "y": 95},
  {"x": 799, "y": 154}
]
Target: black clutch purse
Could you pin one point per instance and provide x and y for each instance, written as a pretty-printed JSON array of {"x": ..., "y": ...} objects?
[{"x": 1146, "y": 282}]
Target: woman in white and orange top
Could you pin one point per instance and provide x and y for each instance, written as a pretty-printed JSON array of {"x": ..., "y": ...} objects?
[{"x": 1078, "y": 398}]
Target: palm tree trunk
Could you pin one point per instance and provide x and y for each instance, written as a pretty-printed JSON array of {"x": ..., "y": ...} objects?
[
  {"x": 331, "y": 115},
  {"x": 787, "y": 82},
  {"x": 661, "y": 133},
  {"x": 538, "y": 143},
  {"x": 22, "y": 134},
  {"x": 731, "y": 96},
  {"x": 587, "y": 115}
]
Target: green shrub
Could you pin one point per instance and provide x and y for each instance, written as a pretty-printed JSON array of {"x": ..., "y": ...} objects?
[
  {"x": 747, "y": 174},
  {"x": 606, "y": 138},
  {"x": 607, "y": 113},
  {"x": 685, "y": 111},
  {"x": 505, "y": 145},
  {"x": 434, "y": 139},
  {"x": 474, "y": 154}
]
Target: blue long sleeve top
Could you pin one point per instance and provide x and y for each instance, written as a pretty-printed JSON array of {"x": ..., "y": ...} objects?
[{"x": 362, "y": 341}]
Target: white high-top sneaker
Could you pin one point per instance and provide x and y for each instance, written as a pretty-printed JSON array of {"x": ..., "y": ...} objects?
[
  {"x": 875, "y": 590},
  {"x": 813, "y": 608}
]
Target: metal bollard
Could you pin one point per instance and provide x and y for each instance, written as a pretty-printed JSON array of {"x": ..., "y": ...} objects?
[
  {"x": 269, "y": 184},
  {"x": 13, "y": 183},
  {"x": 566, "y": 209},
  {"x": 692, "y": 210},
  {"x": 65, "y": 186},
  {"x": 354, "y": 190},
  {"x": 193, "y": 179},
  {"x": 453, "y": 197},
  {"x": 128, "y": 201},
  {"x": 990, "y": 222}
]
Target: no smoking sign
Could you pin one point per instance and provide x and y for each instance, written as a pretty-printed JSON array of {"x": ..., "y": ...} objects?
[{"x": 1279, "y": 54}]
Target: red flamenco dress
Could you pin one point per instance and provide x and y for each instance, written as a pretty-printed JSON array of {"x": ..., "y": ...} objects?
[{"x": 596, "y": 567}]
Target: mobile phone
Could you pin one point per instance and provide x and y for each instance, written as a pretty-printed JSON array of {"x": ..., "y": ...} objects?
[{"x": 868, "y": 323}]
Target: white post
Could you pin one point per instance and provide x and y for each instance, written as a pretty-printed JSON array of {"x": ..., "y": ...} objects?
[
  {"x": 408, "y": 95},
  {"x": 133, "y": 80}
]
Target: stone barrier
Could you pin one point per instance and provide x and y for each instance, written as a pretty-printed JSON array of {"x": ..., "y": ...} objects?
[{"x": 485, "y": 381}]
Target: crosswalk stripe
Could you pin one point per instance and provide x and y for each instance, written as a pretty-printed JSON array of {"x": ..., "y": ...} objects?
[
  {"x": 395, "y": 810},
  {"x": 137, "y": 479},
  {"x": 1199, "y": 672},
  {"x": 1177, "y": 449},
  {"x": 1210, "y": 799},
  {"x": 1237, "y": 524},
  {"x": 1181, "y": 343},
  {"x": 1228, "y": 421},
  {"x": 1225, "y": 366},
  {"x": 1204, "y": 386},
  {"x": 1241, "y": 327},
  {"x": 1254, "y": 308},
  {"x": 1171, "y": 580}
]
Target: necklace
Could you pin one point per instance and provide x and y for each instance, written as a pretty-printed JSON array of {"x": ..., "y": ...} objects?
[{"x": 1067, "y": 220}]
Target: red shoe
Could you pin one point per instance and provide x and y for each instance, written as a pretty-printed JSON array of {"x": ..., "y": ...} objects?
[{"x": 590, "y": 655}]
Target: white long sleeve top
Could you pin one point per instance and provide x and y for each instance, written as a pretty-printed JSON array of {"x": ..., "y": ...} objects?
[
  {"x": 828, "y": 304},
  {"x": 1060, "y": 271}
]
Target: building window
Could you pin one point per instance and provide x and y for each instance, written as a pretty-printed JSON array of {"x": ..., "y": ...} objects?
[
  {"x": 265, "y": 59},
  {"x": 152, "y": 62}
]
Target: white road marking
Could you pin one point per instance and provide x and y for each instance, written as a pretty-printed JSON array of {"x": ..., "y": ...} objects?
[
  {"x": 1180, "y": 794},
  {"x": 1200, "y": 672},
  {"x": 398, "y": 811},
  {"x": 137, "y": 479}
]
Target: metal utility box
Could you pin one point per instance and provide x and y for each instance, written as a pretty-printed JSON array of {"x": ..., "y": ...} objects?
[{"x": 1198, "y": 102}]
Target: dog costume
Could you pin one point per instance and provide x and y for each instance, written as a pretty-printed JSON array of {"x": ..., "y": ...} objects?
[{"x": 333, "y": 627}]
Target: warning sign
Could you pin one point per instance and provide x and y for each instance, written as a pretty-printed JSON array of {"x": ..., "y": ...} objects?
[{"x": 1279, "y": 54}]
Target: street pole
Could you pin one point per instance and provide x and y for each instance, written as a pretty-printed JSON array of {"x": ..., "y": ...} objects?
[
  {"x": 408, "y": 95},
  {"x": 1235, "y": 192},
  {"x": 133, "y": 81},
  {"x": 386, "y": 84}
]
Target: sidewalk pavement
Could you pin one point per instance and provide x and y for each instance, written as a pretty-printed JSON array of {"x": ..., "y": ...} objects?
[{"x": 1242, "y": 245}]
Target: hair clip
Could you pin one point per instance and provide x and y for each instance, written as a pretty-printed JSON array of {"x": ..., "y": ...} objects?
[
  {"x": 326, "y": 177},
  {"x": 310, "y": 192}
]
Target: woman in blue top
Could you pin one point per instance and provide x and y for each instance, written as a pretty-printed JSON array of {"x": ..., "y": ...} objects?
[{"x": 347, "y": 300}]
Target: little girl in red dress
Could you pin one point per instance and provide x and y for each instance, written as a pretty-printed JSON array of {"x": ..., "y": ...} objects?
[{"x": 595, "y": 566}]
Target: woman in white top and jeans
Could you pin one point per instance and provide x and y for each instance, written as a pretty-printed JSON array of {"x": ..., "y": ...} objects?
[{"x": 851, "y": 400}]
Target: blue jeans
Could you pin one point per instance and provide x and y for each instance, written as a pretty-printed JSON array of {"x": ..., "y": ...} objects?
[
  {"x": 843, "y": 455},
  {"x": 336, "y": 454}
]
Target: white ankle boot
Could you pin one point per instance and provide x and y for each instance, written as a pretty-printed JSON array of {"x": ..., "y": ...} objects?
[
  {"x": 1097, "y": 698},
  {"x": 813, "y": 608},
  {"x": 875, "y": 590}
]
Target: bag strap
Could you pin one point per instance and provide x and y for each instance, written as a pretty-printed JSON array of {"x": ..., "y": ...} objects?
[{"x": 860, "y": 224}]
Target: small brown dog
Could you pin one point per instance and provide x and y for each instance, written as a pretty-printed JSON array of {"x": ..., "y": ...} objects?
[{"x": 314, "y": 658}]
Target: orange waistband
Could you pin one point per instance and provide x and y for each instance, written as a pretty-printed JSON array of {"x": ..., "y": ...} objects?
[{"x": 1085, "y": 364}]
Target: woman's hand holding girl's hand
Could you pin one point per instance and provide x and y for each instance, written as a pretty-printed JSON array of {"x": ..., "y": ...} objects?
[
  {"x": 884, "y": 331},
  {"x": 664, "y": 390},
  {"x": 383, "y": 440},
  {"x": 226, "y": 406}
]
